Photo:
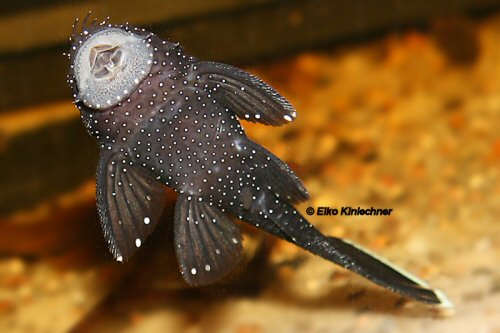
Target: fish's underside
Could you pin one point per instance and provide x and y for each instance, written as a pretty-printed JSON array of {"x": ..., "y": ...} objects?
[{"x": 162, "y": 117}]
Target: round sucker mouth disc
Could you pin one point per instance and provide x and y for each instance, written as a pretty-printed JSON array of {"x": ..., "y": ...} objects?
[{"x": 110, "y": 64}]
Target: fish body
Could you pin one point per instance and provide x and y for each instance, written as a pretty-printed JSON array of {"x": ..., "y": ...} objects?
[{"x": 162, "y": 117}]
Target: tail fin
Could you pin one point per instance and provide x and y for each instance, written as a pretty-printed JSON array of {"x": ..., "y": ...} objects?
[
  {"x": 384, "y": 273},
  {"x": 284, "y": 221}
]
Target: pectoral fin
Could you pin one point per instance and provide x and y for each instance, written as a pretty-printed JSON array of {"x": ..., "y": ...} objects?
[
  {"x": 244, "y": 94},
  {"x": 129, "y": 201}
]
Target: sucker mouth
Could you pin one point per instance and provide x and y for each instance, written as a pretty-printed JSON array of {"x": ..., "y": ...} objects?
[
  {"x": 105, "y": 61},
  {"x": 109, "y": 64}
]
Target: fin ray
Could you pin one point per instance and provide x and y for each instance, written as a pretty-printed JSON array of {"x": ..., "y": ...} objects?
[
  {"x": 127, "y": 198},
  {"x": 207, "y": 242},
  {"x": 275, "y": 173},
  {"x": 244, "y": 94}
]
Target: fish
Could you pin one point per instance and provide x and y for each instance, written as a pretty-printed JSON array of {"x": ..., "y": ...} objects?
[{"x": 162, "y": 117}]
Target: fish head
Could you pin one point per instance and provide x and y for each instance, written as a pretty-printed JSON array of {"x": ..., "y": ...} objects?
[
  {"x": 108, "y": 63},
  {"x": 122, "y": 77}
]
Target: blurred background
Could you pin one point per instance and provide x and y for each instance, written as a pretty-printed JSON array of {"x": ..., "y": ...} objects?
[{"x": 398, "y": 107}]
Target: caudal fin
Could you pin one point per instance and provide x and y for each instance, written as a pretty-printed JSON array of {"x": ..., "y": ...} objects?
[
  {"x": 283, "y": 220},
  {"x": 385, "y": 274}
]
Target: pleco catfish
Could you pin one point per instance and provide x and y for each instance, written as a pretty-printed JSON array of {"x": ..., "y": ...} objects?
[{"x": 162, "y": 117}]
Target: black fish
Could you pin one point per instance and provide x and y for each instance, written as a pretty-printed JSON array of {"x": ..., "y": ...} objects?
[{"x": 162, "y": 117}]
